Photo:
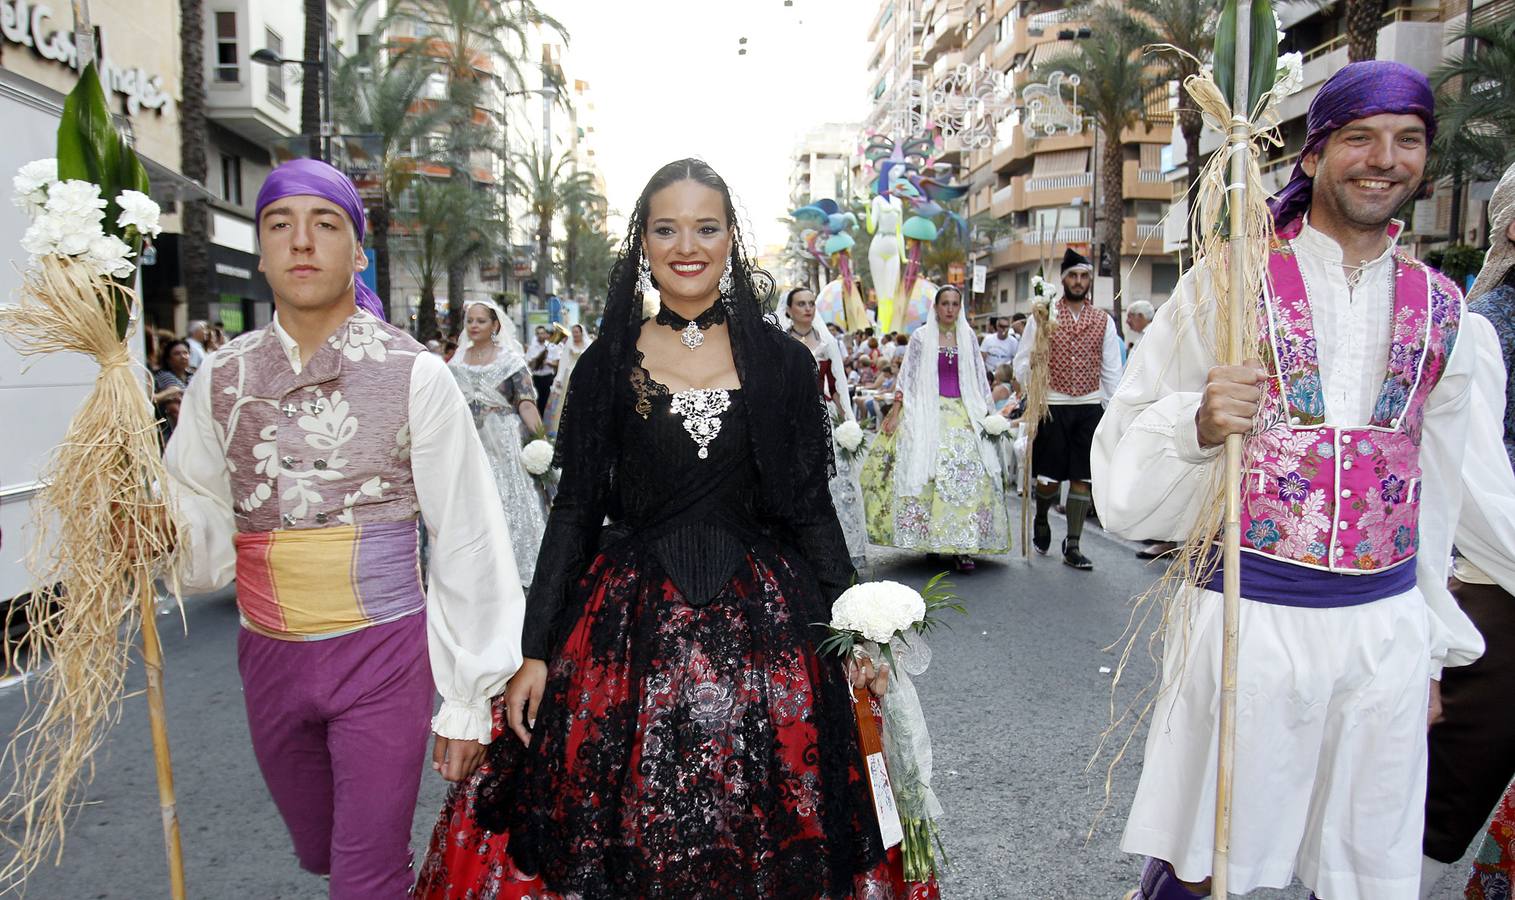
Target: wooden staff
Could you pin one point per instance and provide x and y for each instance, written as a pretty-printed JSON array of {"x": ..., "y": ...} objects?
[
  {"x": 1239, "y": 146},
  {"x": 152, "y": 661}
]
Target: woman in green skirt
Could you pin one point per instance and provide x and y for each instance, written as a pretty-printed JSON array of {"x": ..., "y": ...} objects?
[{"x": 934, "y": 481}]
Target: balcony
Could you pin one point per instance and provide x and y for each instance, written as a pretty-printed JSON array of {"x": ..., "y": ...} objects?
[
  {"x": 1145, "y": 239},
  {"x": 1007, "y": 200},
  {"x": 1144, "y": 184},
  {"x": 1056, "y": 190}
]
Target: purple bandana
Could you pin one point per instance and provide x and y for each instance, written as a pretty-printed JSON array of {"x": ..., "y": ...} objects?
[
  {"x": 311, "y": 177},
  {"x": 1359, "y": 90}
]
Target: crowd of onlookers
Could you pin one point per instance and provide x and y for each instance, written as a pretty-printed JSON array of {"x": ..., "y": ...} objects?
[
  {"x": 872, "y": 365},
  {"x": 173, "y": 360},
  {"x": 871, "y": 361}
]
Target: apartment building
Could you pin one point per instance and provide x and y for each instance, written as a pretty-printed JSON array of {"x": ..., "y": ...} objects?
[
  {"x": 825, "y": 163},
  {"x": 1042, "y": 190}
]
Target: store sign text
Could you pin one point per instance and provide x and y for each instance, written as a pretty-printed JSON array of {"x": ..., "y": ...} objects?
[{"x": 31, "y": 25}]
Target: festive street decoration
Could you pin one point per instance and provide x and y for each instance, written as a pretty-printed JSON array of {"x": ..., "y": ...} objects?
[{"x": 1047, "y": 113}]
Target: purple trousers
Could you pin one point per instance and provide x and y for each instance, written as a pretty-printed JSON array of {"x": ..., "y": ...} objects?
[{"x": 340, "y": 731}]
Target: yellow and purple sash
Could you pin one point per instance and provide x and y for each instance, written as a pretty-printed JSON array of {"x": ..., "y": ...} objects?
[{"x": 312, "y": 583}]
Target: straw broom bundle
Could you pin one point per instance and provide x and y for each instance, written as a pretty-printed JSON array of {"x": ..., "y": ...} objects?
[
  {"x": 101, "y": 530},
  {"x": 1036, "y": 405}
]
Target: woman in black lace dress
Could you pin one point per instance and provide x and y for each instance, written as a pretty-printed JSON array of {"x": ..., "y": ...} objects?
[{"x": 673, "y": 732}]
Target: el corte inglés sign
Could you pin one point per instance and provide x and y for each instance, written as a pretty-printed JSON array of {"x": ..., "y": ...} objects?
[{"x": 32, "y": 25}]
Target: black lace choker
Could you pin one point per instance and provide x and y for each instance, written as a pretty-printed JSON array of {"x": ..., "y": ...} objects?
[{"x": 692, "y": 331}]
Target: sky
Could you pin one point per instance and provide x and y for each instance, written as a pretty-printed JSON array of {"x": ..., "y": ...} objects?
[{"x": 668, "y": 83}]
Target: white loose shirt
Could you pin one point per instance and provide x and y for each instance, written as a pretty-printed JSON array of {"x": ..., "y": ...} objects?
[
  {"x": 998, "y": 350},
  {"x": 474, "y": 602},
  {"x": 1150, "y": 474},
  {"x": 1110, "y": 363}
]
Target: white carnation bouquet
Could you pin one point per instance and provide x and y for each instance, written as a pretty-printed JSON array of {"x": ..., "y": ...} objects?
[
  {"x": 849, "y": 438},
  {"x": 888, "y": 621},
  {"x": 68, "y": 220},
  {"x": 536, "y": 458},
  {"x": 995, "y": 425}
]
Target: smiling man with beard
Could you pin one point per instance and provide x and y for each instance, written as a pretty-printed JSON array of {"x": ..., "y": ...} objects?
[{"x": 1372, "y": 442}]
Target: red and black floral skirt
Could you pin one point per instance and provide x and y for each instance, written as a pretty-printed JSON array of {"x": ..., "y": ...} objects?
[{"x": 679, "y": 752}]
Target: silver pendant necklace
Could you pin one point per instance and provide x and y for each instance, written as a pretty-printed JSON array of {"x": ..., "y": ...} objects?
[{"x": 692, "y": 331}]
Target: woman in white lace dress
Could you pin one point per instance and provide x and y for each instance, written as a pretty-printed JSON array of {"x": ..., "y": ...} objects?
[
  {"x": 796, "y": 316},
  {"x": 491, "y": 369},
  {"x": 578, "y": 341}
]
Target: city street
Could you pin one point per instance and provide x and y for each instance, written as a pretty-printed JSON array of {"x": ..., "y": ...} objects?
[{"x": 1015, "y": 697}]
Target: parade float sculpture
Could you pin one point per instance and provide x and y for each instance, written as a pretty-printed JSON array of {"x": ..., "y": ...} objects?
[
  {"x": 103, "y": 528},
  {"x": 839, "y": 301},
  {"x": 886, "y": 213}
]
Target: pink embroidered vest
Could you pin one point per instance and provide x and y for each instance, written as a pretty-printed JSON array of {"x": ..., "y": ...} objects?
[
  {"x": 1076, "y": 350},
  {"x": 322, "y": 491},
  {"x": 1344, "y": 500}
]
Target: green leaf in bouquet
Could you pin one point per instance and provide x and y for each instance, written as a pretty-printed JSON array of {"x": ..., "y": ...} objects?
[
  {"x": 838, "y": 643},
  {"x": 90, "y": 148},
  {"x": 1262, "y": 54},
  {"x": 1225, "y": 51},
  {"x": 940, "y": 597}
]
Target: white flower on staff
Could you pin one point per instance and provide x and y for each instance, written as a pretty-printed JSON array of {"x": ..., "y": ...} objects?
[
  {"x": 995, "y": 424},
  {"x": 51, "y": 234},
  {"x": 31, "y": 182},
  {"x": 878, "y": 610},
  {"x": 849, "y": 435},
  {"x": 536, "y": 457},
  {"x": 76, "y": 200},
  {"x": 111, "y": 256},
  {"x": 140, "y": 212},
  {"x": 1291, "y": 74}
]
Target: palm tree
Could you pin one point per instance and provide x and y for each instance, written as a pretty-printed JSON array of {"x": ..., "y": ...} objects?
[
  {"x": 310, "y": 88},
  {"x": 444, "y": 223},
  {"x": 1189, "y": 27},
  {"x": 1363, "y": 20},
  {"x": 1476, "y": 104},
  {"x": 466, "y": 38},
  {"x": 381, "y": 95},
  {"x": 194, "y": 236},
  {"x": 1115, "y": 81},
  {"x": 584, "y": 240},
  {"x": 1476, "y": 111},
  {"x": 551, "y": 187}
]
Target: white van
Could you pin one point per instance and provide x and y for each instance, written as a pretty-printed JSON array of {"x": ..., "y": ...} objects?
[{"x": 39, "y": 394}]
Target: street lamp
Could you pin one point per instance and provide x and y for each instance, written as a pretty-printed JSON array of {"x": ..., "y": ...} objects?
[{"x": 267, "y": 57}]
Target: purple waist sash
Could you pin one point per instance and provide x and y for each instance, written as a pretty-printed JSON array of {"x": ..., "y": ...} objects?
[{"x": 1268, "y": 580}]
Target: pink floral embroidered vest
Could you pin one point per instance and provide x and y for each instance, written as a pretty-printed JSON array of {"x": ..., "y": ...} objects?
[
  {"x": 322, "y": 490},
  {"x": 1345, "y": 500},
  {"x": 1076, "y": 350}
]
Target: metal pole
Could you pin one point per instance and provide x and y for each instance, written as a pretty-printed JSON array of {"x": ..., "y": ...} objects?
[{"x": 1231, "y": 552}]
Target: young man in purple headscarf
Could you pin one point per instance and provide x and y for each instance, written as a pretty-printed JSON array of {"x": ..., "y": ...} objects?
[
  {"x": 305, "y": 452},
  {"x": 1372, "y": 412}
]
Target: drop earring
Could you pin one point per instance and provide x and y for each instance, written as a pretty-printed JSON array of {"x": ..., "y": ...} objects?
[
  {"x": 644, "y": 277},
  {"x": 725, "y": 284}
]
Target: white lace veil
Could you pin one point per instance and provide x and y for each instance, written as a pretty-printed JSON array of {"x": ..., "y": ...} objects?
[
  {"x": 920, "y": 428},
  {"x": 509, "y": 352}
]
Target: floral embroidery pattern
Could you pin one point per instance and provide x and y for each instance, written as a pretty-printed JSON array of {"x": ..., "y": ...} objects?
[{"x": 1332, "y": 497}]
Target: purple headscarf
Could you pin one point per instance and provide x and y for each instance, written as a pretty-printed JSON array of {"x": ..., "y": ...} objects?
[
  {"x": 1359, "y": 90},
  {"x": 311, "y": 177}
]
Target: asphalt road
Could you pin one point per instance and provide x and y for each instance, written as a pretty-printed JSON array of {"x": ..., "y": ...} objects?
[{"x": 1015, "y": 698}]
